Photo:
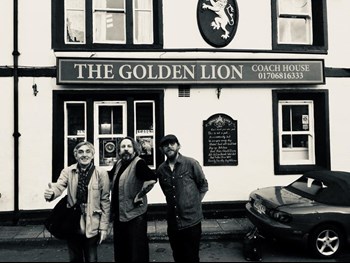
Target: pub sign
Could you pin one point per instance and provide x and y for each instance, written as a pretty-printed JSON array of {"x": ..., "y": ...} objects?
[{"x": 217, "y": 21}]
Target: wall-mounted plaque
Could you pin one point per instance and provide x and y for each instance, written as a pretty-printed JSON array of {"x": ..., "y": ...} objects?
[{"x": 220, "y": 140}]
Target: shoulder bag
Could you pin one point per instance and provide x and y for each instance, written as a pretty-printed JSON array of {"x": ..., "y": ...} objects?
[{"x": 63, "y": 222}]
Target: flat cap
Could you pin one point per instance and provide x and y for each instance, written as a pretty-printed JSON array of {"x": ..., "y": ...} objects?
[{"x": 170, "y": 138}]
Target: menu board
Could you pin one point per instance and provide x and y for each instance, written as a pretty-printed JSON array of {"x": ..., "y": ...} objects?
[{"x": 220, "y": 140}]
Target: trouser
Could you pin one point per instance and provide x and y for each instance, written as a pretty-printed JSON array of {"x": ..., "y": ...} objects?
[
  {"x": 83, "y": 249},
  {"x": 185, "y": 243},
  {"x": 131, "y": 240}
]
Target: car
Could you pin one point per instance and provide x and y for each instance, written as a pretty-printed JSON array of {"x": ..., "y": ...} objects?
[{"x": 313, "y": 210}]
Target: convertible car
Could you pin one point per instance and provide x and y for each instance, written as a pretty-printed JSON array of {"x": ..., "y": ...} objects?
[{"x": 314, "y": 209}]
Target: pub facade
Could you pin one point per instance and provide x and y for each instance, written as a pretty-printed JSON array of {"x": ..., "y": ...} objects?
[{"x": 257, "y": 95}]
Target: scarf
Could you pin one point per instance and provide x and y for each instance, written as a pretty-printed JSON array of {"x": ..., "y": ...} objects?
[{"x": 83, "y": 182}]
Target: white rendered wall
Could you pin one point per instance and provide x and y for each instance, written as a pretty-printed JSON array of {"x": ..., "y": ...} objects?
[
  {"x": 34, "y": 31},
  {"x": 6, "y": 33},
  {"x": 7, "y": 145},
  {"x": 338, "y": 34},
  {"x": 339, "y": 122},
  {"x": 35, "y": 147}
]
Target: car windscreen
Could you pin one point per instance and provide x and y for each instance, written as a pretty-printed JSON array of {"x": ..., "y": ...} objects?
[{"x": 307, "y": 187}]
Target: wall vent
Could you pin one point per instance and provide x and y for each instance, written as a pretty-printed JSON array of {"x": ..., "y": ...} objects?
[{"x": 184, "y": 92}]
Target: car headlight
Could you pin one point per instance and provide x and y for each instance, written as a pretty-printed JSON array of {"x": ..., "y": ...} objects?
[{"x": 280, "y": 216}]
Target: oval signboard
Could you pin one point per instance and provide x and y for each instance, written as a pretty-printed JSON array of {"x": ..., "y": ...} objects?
[{"x": 217, "y": 21}]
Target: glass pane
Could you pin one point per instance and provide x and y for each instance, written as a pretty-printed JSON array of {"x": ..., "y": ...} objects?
[
  {"x": 117, "y": 120},
  {"x": 108, "y": 151},
  {"x": 75, "y": 26},
  {"x": 115, "y": 4},
  {"x": 300, "y": 141},
  {"x": 287, "y": 141},
  {"x": 144, "y": 117},
  {"x": 110, "y": 120},
  {"x": 143, "y": 4},
  {"x": 299, "y": 113},
  {"x": 109, "y": 27},
  {"x": 72, "y": 142},
  {"x": 105, "y": 124},
  {"x": 74, "y": 4},
  {"x": 147, "y": 148},
  {"x": 301, "y": 7},
  {"x": 294, "y": 31},
  {"x": 286, "y": 118},
  {"x": 143, "y": 27},
  {"x": 76, "y": 119}
]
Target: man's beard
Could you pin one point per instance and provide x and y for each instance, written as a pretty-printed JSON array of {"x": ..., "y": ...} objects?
[{"x": 126, "y": 156}]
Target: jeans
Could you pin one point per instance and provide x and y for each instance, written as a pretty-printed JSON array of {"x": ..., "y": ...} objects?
[
  {"x": 83, "y": 249},
  {"x": 131, "y": 240},
  {"x": 185, "y": 243}
]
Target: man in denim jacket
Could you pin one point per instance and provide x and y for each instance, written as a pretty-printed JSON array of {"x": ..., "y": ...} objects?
[{"x": 184, "y": 186}]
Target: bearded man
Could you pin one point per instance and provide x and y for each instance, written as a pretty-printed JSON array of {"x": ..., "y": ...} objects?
[{"x": 131, "y": 179}]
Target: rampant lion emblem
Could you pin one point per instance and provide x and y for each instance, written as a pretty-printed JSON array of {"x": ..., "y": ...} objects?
[{"x": 225, "y": 15}]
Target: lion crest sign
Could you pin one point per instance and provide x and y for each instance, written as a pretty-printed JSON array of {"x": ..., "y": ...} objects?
[{"x": 217, "y": 21}]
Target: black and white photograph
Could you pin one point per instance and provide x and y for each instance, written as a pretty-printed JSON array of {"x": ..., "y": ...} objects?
[{"x": 175, "y": 131}]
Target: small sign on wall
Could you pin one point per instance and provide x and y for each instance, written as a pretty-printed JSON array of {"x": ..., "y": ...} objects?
[{"x": 220, "y": 141}]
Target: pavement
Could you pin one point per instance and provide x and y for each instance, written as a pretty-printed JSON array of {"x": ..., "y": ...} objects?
[{"x": 212, "y": 229}]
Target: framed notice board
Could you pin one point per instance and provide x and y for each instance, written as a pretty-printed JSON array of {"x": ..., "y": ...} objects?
[{"x": 220, "y": 141}]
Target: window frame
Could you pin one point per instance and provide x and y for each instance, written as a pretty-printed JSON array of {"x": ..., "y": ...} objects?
[
  {"x": 321, "y": 130},
  {"x": 98, "y": 135},
  {"x": 59, "y": 24},
  {"x": 66, "y": 128},
  {"x": 66, "y": 26},
  {"x": 310, "y": 133},
  {"x": 319, "y": 30}
]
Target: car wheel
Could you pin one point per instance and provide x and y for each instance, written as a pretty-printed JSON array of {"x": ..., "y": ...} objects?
[{"x": 326, "y": 241}]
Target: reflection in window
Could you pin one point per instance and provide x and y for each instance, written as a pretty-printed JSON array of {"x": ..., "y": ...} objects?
[
  {"x": 75, "y": 21},
  {"x": 109, "y": 21}
]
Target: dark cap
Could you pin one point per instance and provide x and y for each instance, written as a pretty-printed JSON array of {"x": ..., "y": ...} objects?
[{"x": 167, "y": 139}]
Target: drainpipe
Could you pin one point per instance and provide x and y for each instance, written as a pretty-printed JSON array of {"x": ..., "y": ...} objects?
[{"x": 16, "y": 133}]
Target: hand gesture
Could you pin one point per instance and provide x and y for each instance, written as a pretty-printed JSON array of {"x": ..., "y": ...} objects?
[{"x": 48, "y": 194}]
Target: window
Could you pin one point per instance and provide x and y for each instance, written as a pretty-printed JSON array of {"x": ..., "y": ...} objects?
[
  {"x": 103, "y": 119},
  {"x": 294, "y": 22},
  {"x": 143, "y": 13},
  {"x": 110, "y": 124},
  {"x": 145, "y": 129},
  {"x": 106, "y": 24},
  {"x": 74, "y": 21},
  {"x": 296, "y": 132},
  {"x": 299, "y": 25},
  {"x": 74, "y": 128},
  {"x": 301, "y": 131},
  {"x": 109, "y": 20}
]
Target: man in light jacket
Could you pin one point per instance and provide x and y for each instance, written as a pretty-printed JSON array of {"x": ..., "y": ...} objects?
[{"x": 88, "y": 186}]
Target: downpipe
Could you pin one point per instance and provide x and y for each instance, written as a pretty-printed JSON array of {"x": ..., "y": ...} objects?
[{"x": 16, "y": 133}]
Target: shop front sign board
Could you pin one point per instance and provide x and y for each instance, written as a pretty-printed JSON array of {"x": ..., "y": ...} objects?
[{"x": 113, "y": 71}]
